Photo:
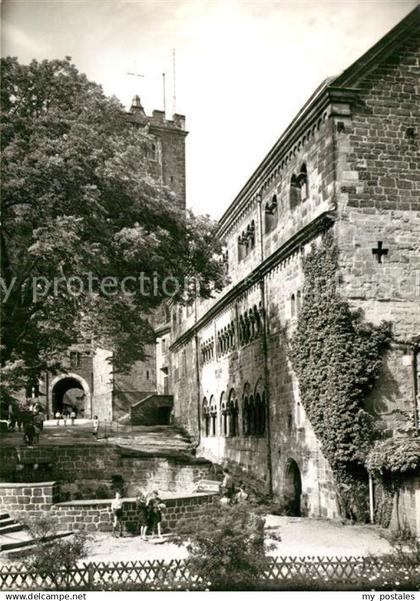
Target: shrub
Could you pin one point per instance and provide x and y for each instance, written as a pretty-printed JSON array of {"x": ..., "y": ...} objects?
[
  {"x": 54, "y": 557},
  {"x": 226, "y": 546}
]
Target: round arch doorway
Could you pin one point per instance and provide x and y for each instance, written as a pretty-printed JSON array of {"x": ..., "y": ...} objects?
[
  {"x": 293, "y": 487},
  {"x": 69, "y": 393}
]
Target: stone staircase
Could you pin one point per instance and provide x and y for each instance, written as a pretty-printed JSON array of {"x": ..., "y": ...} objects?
[
  {"x": 15, "y": 539},
  {"x": 155, "y": 439}
]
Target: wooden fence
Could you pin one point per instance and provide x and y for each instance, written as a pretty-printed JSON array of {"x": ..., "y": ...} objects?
[{"x": 322, "y": 571}]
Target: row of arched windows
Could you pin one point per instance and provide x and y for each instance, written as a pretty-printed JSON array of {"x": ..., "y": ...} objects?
[
  {"x": 295, "y": 303},
  {"x": 226, "y": 339},
  {"x": 207, "y": 350},
  {"x": 250, "y": 324},
  {"x": 231, "y": 417},
  {"x": 246, "y": 241},
  {"x": 250, "y": 327},
  {"x": 298, "y": 193}
]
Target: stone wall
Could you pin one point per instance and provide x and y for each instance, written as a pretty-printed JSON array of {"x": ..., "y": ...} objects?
[
  {"x": 97, "y": 516},
  {"x": 87, "y": 470},
  {"x": 21, "y": 498},
  {"x": 406, "y": 509},
  {"x": 152, "y": 410},
  {"x": 361, "y": 153}
]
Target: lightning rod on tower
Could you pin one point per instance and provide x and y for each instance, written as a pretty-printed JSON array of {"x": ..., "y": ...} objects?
[
  {"x": 173, "y": 82},
  {"x": 164, "y": 93}
]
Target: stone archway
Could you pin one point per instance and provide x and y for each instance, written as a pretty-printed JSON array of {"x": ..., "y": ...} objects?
[
  {"x": 293, "y": 488},
  {"x": 70, "y": 392}
]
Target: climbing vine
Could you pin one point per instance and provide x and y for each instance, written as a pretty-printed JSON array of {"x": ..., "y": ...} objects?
[
  {"x": 389, "y": 462},
  {"x": 337, "y": 357}
]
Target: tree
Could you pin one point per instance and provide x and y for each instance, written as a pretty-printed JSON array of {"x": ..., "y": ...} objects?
[{"x": 88, "y": 235}]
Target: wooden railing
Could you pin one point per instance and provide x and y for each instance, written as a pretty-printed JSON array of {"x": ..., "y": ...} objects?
[{"x": 320, "y": 572}]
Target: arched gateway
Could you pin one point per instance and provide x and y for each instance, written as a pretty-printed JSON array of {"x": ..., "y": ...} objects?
[
  {"x": 293, "y": 487},
  {"x": 70, "y": 392}
]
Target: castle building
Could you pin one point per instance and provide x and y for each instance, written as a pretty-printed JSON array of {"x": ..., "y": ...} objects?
[
  {"x": 88, "y": 383},
  {"x": 348, "y": 163}
]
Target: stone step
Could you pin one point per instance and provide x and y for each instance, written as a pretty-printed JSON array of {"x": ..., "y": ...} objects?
[
  {"x": 24, "y": 543},
  {"x": 26, "y": 549},
  {"x": 7, "y": 521},
  {"x": 4, "y": 516},
  {"x": 11, "y": 528}
]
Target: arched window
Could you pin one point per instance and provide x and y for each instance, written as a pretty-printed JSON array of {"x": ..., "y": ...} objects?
[
  {"x": 206, "y": 417},
  {"x": 223, "y": 416},
  {"x": 293, "y": 305},
  {"x": 241, "y": 247},
  {"x": 251, "y": 415},
  {"x": 257, "y": 320},
  {"x": 245, "y": 417},
  {"x": 298, "y": 301},
  {"x": 250, "y": 234},
  {"x": 252, "y": 325},
  {"x": 233, "y": 411},
  {"x": 294, "y": 192},
  {"x": 213, "y": 416},
  {"x": 302, "y": 180},
  {"x": 270, "y": 214},
  {"x": 260, "y": 413}
]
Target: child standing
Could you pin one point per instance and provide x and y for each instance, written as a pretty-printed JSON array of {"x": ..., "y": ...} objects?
[
  {"x": 95, "y": 426},
  {"x": 154, "y": 513},
  {"x": 141, "y": 513},
  {"x": 116, "y": 508}
]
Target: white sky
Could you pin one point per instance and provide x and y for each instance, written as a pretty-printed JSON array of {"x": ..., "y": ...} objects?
[{"x": 244, "y": 67}]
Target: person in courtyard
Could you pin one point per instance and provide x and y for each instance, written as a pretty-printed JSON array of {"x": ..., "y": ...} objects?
[
  {"x": 224, "y": 501},
  {"x": 65, "y": 417},
  {"x": 116, "y": 508},
  {"x": 154, "y": 513},
  {"x": 29, "y": 433},
  {"x": 241, "y": 496},
  {"x": 57, "y": 417},
  {"x": 95, "y": 426},
  {"x": 38, "y": 425},
  {"x": 228, "y": 486},
  {"x": 72, "y": 416},
  {"x": 141, "y": 514}
]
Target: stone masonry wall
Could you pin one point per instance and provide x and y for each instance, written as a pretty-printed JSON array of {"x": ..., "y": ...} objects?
[
  {"x": 406, "y": 510},
  {"x": 97, "y": 516},
  {"x": 378, "y": 155},
  {"x": 84, "y": 470},
  {"x": 19, "y": 499}
]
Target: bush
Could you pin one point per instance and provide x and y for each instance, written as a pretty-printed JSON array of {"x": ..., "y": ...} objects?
[
  {"x": 226, "y": 546},
  {"x": 54, "y": 557}
]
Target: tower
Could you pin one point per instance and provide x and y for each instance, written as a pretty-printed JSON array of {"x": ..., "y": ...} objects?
[{"x": 170, "y": 137}]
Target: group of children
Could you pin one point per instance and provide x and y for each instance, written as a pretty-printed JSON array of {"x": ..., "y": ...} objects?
[
  {"x": 232, "y": 494},
  {"x": 65, "y": 416},
  {"x": 148, "y": 514}
]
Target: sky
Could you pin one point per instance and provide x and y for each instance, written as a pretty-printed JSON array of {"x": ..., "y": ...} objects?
[{"x": 243, "y": 67}]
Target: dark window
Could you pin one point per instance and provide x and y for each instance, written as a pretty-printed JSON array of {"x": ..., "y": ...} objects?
[
  {"x": 74, "y": 359},
  {"x": 302, "y": 180},
  {"x": 293, "y": 305},
  {"x": 270, "y": 214},
  {"x": 294, "y": 193}
]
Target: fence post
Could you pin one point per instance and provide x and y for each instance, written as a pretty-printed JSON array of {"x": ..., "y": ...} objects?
[{"x": 91, "y": 571}]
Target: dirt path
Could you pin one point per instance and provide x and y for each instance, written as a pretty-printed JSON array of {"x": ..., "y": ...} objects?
[
  {"x": 306, "y": 536},
  {"x": 300, "y": 536}
]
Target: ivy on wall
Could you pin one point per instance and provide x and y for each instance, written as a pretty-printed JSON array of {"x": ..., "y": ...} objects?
[
  {"x": 390, "y": 461},
  {"x": 337, "y": 357}
]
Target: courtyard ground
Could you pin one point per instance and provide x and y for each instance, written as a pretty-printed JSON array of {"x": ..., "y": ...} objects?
[
  {"x": 300, "y": 536},
  {"x": 144, "y": 438}
]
